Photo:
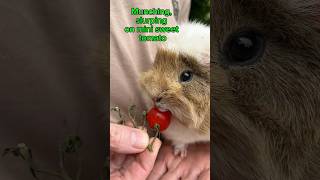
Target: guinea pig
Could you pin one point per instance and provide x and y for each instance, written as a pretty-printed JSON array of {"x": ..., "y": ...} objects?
[
  {"x": 179, "y": 81},
  {"x": 265, "y": 89}
]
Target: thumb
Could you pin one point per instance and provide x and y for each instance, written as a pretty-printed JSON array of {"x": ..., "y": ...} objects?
[{"x": 127, "y": 140}]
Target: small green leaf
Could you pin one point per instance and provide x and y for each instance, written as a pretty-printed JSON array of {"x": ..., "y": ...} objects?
[
  {"x": 150, "y": 147},
  {"x": 24, "y": 151},
  {"x": 72, "y": 144},
  {"x": 144, "y": 113}
]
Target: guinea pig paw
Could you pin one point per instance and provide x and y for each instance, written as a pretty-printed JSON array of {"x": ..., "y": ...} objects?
[{"x": 181, "y": 150}]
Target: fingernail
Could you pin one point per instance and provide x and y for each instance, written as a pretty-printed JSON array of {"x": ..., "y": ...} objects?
[{"x": 139, "y": 140}]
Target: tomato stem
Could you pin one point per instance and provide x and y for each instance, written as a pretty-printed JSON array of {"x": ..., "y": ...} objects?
[{"x": 144, "y": 116}]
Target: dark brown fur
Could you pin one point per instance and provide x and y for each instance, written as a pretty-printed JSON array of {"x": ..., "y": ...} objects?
[{"x": 267, "y": 116}]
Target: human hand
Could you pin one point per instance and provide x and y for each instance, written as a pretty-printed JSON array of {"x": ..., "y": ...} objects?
[
  {"x": 195, "y": 166},
  {"x": 129, "y": 158}
]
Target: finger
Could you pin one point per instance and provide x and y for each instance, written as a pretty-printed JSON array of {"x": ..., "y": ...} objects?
[
  {"x": 175, "y": 168},
  {"x": 143, "y": 128},
  {"x": 192, "y": 174},
  {"x": 205, "y": 175},
  {"x": 128, "y": 123},
  {"x": 127, "y": 163},
  {"x": 174, "y": 162},
  {"x": 142, "y": 166},
  {"x": 166, "y": 160},
  {"x": 172, "y": 174},
  {"x": 127, "y": 140},
  {"x": 159, "y": 169},
  {"x": 147, "y": 158},
  {"x": 116, "y": 161}
]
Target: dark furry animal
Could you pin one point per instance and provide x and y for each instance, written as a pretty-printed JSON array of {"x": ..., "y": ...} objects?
[{"x": 266, "y": 89}]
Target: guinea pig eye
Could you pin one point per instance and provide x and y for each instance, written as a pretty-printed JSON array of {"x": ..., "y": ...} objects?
[
  {"x": 186, "y": 76},
  {"x": 244, "y": 48}
]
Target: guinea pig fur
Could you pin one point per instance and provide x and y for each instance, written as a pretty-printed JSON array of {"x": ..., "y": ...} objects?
[
  {"x": 265, "y": 70},
  {"x": 180, "y": 81}
]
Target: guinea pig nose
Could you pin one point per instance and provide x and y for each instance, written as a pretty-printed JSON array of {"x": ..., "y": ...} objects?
[{"x": 156, "y": 99}]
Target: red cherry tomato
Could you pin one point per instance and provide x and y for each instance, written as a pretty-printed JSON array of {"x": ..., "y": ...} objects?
[{"x": 155, "y": 116}]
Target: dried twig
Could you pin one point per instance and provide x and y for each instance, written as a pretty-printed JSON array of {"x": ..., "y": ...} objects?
[
  {"x": 117, "y": 109},
  {"x": 150, "y": 146},
  {"x": 132, "y": 118}
]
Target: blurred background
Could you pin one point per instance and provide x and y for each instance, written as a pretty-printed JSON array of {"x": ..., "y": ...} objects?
[{"x": 200, "y": 11}]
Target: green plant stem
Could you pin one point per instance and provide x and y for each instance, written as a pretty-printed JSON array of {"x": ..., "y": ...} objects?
[
  {"x": 130, "y": 108},
  {"x": 150, "y": 146},
  {"x": 144, "y": 116}
]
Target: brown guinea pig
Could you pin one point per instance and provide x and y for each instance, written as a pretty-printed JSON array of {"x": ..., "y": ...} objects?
[
  {"x": 266, "y": 89},
  {"x": 179, "y": 81}
]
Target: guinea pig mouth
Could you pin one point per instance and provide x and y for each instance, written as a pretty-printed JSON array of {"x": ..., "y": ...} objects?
[{"x": 161, "y": 107}]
